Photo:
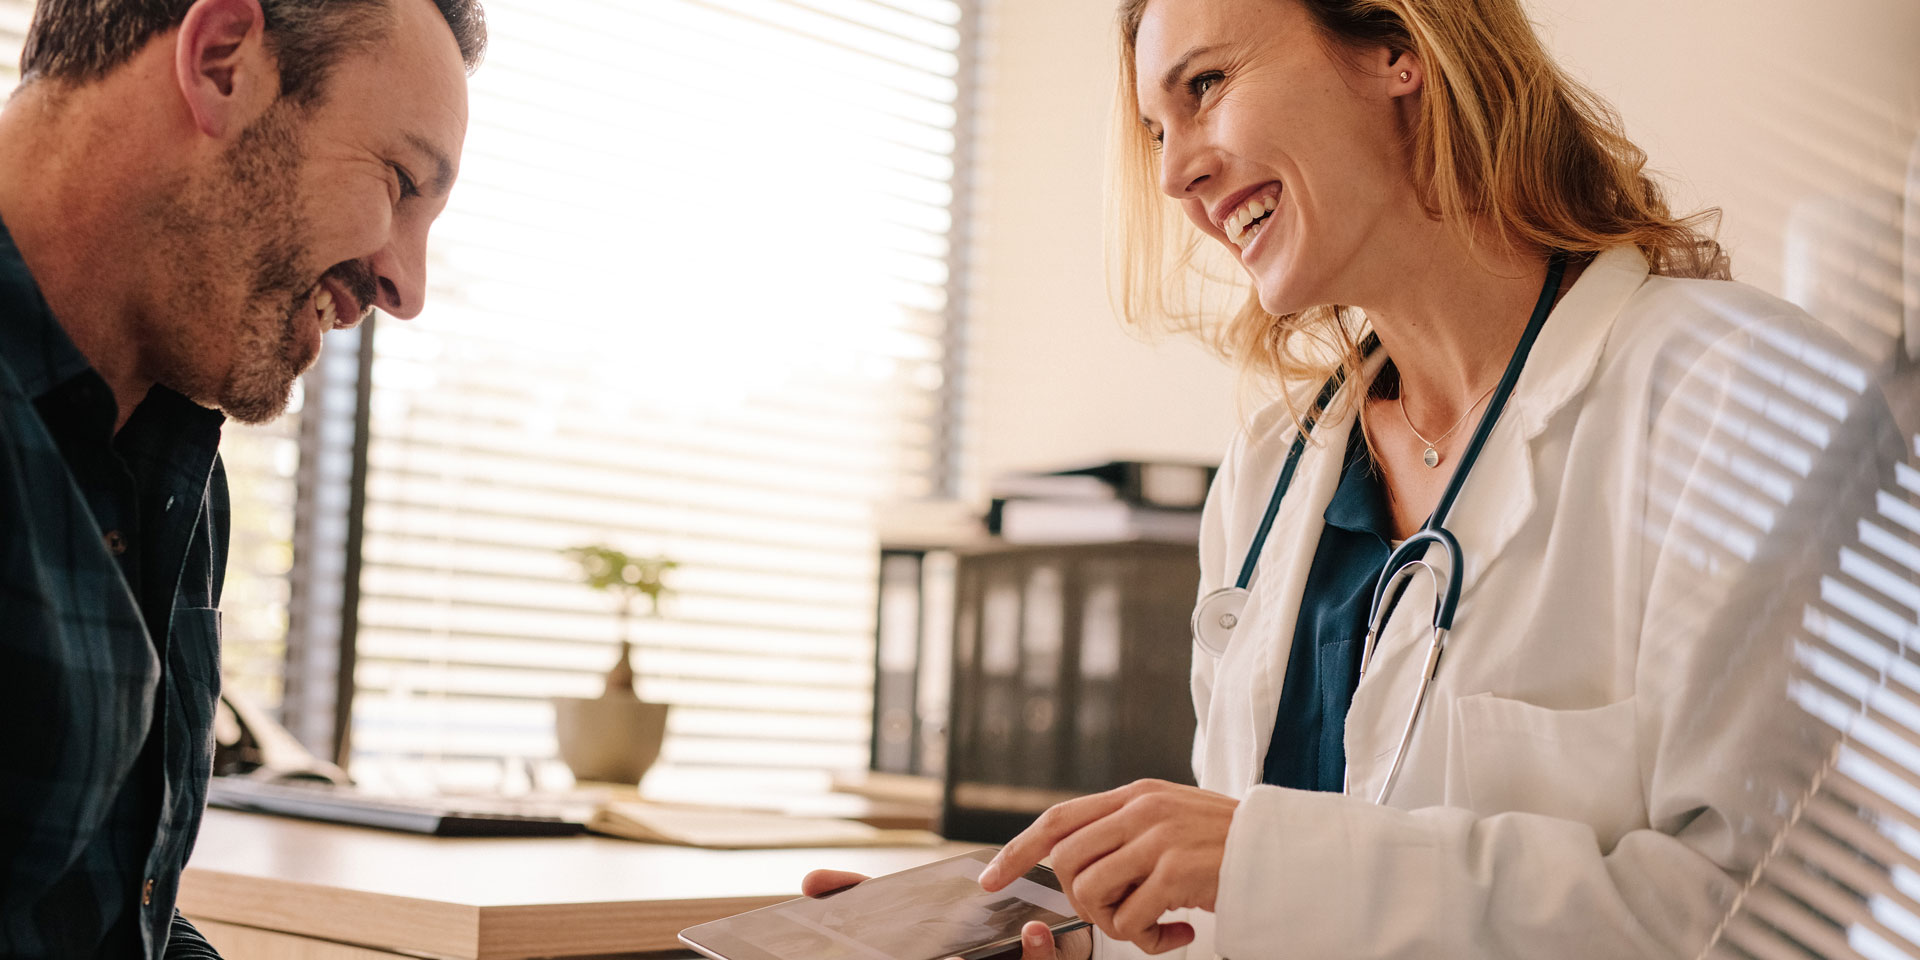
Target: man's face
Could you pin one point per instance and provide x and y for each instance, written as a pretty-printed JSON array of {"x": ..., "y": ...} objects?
[{"x": 312, "y": 218}]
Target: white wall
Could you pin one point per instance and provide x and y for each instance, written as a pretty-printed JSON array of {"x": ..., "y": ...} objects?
[
  {"x": 1797, "y": 117},
  {"x": 1054, "y": 378}
]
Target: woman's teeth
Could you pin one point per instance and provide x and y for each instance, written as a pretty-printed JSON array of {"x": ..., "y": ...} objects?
[
  {"x": 1247, "y": 222},
  {"x": 323, "y": 303}
]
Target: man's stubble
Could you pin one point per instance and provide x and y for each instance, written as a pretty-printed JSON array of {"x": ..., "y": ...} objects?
[{"x": 239, "y": 277}]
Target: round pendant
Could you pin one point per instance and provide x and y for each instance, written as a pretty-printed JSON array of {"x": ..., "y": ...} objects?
[{"x": 1431, "y": 457}]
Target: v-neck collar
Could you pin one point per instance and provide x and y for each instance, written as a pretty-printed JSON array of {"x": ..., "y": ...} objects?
[{"x": 1359, "y": 503}]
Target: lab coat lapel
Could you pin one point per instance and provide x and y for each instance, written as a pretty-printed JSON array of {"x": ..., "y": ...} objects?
[
  {"x": 1495, "y": 504},
  {"x": 1499, "y": 494},
  {"x": 1280, "y": 583}
]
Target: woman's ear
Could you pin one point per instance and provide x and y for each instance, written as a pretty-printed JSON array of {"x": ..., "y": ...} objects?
[
  {"x": 220, "y": 61},
  {"x": 1404, "y": 72}
]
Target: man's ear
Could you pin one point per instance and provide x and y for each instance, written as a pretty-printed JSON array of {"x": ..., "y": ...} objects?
[{"x": 221, "y": 63}]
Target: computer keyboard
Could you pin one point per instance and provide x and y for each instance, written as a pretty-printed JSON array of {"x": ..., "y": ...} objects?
[{"x": 439, "y": 816}]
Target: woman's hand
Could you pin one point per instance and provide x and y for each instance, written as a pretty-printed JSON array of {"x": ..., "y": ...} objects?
[
  {"x": 1036, "y": 941},
  {"x": 1127, "y": 856},
  {"x": 819, "y": 883}
]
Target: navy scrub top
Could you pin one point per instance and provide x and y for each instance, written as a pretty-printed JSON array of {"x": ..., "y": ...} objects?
[{"x": 1308, "y": 751}]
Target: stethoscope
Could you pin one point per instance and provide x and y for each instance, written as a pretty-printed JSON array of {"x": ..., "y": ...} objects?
[{"x": 1218, "y": 613}]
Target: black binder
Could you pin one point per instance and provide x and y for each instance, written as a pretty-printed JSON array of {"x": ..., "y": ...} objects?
[{"x": 1070, "y": 676}]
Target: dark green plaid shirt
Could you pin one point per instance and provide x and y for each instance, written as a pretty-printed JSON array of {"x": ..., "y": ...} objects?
[{"x": 112, "y": 551}]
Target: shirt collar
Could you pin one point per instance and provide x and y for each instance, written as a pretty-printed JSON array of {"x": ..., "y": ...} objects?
[
  {"x": 32, "y": 344},
  {"x": 169, "y": 432},
  {"x": 1359, "y": 503},
  {"x": 43, "y": 358}
]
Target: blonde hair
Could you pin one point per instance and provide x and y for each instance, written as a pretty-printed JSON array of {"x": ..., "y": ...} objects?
[{"x": 1504, "y": 140}]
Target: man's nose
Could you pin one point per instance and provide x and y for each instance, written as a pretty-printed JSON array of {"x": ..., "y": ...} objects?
[{"x": 400, "y": 278}]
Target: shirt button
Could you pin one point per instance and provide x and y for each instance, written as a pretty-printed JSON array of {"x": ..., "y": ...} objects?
[
  {"x": 146, "y": 893},
  {"x": 116, "y": 542}
]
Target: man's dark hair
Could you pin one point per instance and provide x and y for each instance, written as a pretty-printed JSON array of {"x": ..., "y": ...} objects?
[{"x": 77, "y": 41}]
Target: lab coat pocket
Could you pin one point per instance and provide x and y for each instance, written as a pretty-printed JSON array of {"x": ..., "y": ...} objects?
[{"x": 1578, "y": 765}]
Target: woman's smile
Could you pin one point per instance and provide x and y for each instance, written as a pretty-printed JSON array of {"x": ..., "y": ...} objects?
[{"x": 1244, "y": 216}]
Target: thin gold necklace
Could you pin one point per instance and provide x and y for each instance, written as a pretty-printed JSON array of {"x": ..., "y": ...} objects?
[{"x": 1431, "y": 457}]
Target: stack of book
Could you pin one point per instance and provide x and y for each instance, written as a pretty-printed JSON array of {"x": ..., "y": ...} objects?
[{"x": 1121, "y": 500}]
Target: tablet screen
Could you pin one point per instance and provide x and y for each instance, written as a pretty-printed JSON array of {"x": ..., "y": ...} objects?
[{"x": 926, "y": 913}]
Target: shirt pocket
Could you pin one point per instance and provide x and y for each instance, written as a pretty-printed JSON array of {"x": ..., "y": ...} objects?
[
  {"x": 1578, "y": 765},
  {"x": 193, "y": 688}
]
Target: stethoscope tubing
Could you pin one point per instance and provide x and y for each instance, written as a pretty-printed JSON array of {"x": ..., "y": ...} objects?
[
  {"x": 1327, "y": 391},
  {"x": 1435, "y": 646},
  {"x": 1218, "y": 613}
]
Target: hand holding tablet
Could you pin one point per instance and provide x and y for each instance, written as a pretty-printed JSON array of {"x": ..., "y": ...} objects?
[{"x": 930, "y": 912}]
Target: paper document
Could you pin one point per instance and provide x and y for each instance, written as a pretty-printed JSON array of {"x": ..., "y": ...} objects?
[{"x": 742, "y": 830}]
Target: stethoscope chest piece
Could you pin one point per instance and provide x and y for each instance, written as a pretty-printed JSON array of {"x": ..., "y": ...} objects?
[{"x": 1215, "y": 618}]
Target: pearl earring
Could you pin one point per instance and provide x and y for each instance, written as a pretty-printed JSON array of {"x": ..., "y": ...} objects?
[{"x": 1406, "y": 75}]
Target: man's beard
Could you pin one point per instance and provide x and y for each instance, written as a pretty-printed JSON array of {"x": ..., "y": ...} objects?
[{"x": 237, "y": 242}]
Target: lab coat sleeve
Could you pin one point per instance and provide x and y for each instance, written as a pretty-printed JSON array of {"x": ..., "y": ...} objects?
[{"x": 1734, "y": 532}]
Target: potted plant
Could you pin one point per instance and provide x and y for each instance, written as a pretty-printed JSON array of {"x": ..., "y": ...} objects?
[{"x": 616, "y": 737}]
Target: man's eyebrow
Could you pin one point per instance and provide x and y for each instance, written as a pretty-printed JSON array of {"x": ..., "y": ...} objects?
[
  {"x": 1172, "y": 78},
  {"x": 442, "y": 181}
]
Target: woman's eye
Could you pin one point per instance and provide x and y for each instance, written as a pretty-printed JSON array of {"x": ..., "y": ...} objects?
[{"x": 1204, "y": 82}]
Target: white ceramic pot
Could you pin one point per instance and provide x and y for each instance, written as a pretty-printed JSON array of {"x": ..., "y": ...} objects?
[{"x": 609, "y": 739}]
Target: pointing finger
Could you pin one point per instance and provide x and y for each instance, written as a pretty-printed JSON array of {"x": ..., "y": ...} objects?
[{"x": 1035, "y": 842}]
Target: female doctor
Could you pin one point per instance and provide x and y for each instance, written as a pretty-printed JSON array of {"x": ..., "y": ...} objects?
[{"x": 1518, "y": 362}]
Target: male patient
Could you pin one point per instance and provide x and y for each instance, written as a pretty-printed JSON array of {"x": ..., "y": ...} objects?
[{"x": 191, "y": 193}]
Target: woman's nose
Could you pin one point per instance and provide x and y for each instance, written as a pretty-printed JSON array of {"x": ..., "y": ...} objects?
[{"x": 1184, "y": 165}]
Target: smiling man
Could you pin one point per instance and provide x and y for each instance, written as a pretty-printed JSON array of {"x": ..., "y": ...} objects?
[{"x": 191, "y": 195}]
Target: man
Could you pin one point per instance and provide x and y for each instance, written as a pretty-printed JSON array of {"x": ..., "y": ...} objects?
[{"x": 191, "y": 192}]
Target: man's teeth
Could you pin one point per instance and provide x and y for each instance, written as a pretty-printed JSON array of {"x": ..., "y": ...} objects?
[
  {"x": 323, "y": 302},
  {"x": 1240, "y": 227}
]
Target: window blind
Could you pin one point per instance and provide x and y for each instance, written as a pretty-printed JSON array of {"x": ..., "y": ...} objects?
[
  {"x": 689, "y": 298},
  {"x": 14, "y": 15},
  {"x": 1842, "y": 877}
]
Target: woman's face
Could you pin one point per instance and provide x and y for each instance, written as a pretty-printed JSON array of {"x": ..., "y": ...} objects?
[{"x": 1259, "y": 117}]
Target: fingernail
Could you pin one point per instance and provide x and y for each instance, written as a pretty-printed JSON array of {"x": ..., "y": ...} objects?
[{"x": 1037, "y": 937}]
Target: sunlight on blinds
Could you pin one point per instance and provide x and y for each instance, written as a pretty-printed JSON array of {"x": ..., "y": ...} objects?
[
  {"x": 687, "y": 300},
  {"x": 14, "y": 15}
]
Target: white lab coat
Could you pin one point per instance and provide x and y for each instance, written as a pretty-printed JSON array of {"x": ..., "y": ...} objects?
[{"x": 1586, "y": 779}]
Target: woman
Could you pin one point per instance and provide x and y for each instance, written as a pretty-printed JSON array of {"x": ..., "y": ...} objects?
[{"x": 1605, "y": 750}]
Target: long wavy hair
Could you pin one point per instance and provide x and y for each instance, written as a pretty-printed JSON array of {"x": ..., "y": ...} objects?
[{"x": 1505, "y": 140}]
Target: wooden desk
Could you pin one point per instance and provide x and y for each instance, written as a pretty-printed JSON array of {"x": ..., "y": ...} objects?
[{"x": 262, "y": 887}]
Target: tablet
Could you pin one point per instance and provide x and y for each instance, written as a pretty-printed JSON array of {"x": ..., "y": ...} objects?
[{"x": 926, "y": 913}]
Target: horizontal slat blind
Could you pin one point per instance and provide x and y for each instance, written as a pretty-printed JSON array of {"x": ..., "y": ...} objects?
[
  {"x": 14, "y": 16},
  {"x": 1840, "y": 876},
  {"x": 687, "y": 299}
]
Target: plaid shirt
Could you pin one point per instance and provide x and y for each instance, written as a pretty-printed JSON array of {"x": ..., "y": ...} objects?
[{"x": 112, "y": 551}]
